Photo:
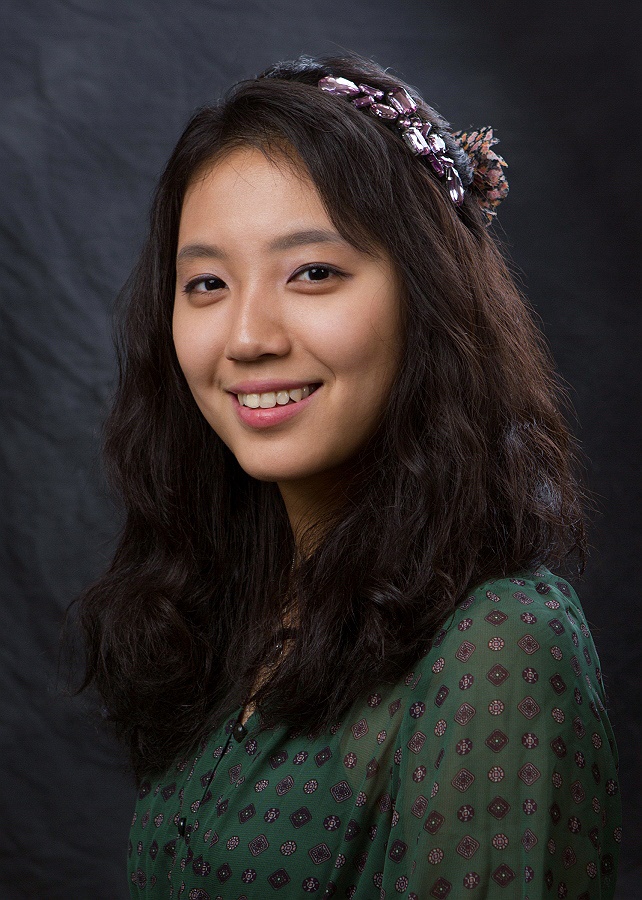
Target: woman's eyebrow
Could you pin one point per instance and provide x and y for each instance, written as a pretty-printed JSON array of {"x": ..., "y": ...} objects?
[
  {"x": 302, "y": 238},
  {"x": 279, "y": 244}
]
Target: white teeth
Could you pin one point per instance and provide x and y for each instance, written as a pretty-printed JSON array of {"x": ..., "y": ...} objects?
[
  {"x": 272, "y": 398},
  {"x": 266, "y": 401}
]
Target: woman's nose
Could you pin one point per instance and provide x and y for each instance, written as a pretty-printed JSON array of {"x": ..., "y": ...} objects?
[{"x": 257, "y": 327}]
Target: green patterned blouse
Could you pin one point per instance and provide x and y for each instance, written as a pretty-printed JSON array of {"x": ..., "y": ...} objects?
[{"x": 489, "y": 771}]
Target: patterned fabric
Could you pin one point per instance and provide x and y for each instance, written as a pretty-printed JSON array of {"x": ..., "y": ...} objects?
[{"x": 490, "y": 771}]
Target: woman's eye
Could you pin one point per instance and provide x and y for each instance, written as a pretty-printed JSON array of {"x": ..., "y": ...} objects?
[
  {"x": 204, "y": 285},
  {"x": 315, "y": 274}
]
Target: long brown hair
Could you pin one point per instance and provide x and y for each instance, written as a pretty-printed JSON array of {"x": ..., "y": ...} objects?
[{"x": 470, "y": 475}]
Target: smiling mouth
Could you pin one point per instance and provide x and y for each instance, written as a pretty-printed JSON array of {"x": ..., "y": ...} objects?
[{"x": 271, "y": 399}]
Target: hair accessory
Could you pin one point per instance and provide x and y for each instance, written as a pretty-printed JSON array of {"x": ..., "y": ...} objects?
[
  {"x": 398, "y": 108},
  {"x": 488, "y": 178}
]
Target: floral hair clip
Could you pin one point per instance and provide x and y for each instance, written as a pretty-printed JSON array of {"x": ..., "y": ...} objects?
[
  {"x": 488, "y": 178},
  {"x": 398, "y": 108}
]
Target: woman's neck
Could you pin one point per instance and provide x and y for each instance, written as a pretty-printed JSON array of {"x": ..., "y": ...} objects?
[{"x": 310, "y": 505}]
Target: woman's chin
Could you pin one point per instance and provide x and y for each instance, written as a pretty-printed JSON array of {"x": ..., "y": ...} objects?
[{"x": 277, "y": 472}]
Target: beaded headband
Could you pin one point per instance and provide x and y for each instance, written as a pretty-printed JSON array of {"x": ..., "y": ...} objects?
[{"x": 397, "y": 107}]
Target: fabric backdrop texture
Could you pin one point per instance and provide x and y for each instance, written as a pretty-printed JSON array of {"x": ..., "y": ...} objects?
[{"x": 93, "y": 96}]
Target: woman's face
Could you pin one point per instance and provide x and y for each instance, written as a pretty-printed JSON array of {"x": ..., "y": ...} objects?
[{"x": 269, "y": 297}]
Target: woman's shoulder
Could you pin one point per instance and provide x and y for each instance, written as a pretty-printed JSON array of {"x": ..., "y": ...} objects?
[
  {"x": 506, "y": 724},
  {"x": 538, "y": 602},
  {"x": 535, "y": 589},
  {"x": 530, "y": 625}
]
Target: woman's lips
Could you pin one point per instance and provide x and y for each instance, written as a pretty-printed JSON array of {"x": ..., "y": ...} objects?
[{"x": 264, "y": 418}]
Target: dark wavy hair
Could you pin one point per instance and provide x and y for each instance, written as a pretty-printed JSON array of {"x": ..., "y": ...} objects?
[{"x": 471, "y": 474}]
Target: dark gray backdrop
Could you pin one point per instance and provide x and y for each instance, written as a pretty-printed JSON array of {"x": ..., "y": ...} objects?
[{"x": 93, "y": 95}]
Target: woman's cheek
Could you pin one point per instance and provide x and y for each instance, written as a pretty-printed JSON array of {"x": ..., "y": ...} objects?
[{"x": 196, "y": 353}]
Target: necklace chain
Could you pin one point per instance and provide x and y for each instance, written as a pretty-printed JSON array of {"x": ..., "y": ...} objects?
[{"x": 286, "y": 632}]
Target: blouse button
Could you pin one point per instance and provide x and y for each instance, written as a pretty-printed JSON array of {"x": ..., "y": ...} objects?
[
  {"x": 181, "y": 826},
  {"x": 239, "y": 731}
]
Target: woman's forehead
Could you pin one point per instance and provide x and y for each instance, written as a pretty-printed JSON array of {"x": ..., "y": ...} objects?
[
  {"x": 280, "y": 159},
  {"x": 245, "y": 193},
  {"x": 270, "y": 194}
]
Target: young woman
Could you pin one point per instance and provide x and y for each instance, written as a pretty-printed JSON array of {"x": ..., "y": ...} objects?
[{"x": 330, "y": 635}]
